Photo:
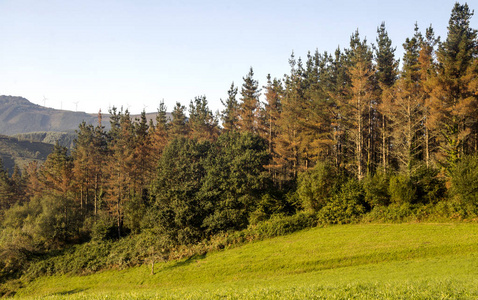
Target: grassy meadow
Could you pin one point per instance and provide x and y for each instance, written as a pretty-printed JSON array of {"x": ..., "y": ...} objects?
[{"x": 387, "y": 261}]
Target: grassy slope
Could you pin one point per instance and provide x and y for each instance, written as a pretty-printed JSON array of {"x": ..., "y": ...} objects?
[
  {"x": 428, "y": 261},
  {"x": 21, "y": 153}
]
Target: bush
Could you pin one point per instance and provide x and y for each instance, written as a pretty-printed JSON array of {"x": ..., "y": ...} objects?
[
  {"x": 376, "y": 189},
  {"x": 401, "y": 189},
  {"x": 346, "y": 206},
  {"x": 317, "y": 186},
  {"x": 430, "y": 188},
  {"x": 464, "y": 184}
]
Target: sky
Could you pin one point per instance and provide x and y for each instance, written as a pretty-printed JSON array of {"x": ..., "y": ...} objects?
[{"x": 88, "y": 55}]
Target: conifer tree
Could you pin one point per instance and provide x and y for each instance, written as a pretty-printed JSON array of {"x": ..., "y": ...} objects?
[
  {"x": 288, "y": 140},
  {"x": 179, "y": 123},
  {"x": 456, "y": 57},
  {"x": 271, "y": 116},
  {"x": 337, "y": 90},
  {"x": 359, "y": 104},
  {"x": 249, "y": 108},
  {"x": 120, "y": 167},
  {"x": 160, "y": 134},
  {"x": 229, "y": 115},
  {"x": 407, "y": 107},
  {"x": 202, "y": 122},
  {"x": 427, "y": 80},
  {"x": 386, "y": 73}
]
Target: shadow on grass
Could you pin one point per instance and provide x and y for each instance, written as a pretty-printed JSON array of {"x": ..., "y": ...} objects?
[
  {"x": 186, "y": 262},
  {"x": 71, "y": 292}
]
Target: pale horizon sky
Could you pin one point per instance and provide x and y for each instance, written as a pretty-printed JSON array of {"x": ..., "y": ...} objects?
[{"x": 90, "y": 55}]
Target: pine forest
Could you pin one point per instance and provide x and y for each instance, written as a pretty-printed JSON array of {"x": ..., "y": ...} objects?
[{"x": 358, "y": 135}]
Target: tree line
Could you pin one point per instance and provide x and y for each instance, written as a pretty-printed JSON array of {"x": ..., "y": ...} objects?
[{"x": 341, "y": 135}]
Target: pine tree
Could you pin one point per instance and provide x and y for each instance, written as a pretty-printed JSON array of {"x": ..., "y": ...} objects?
[
  {"x": 120, "y": 168},
  {"x": 160, "y": 134},
  {"x": 249, "y": 108},
  {"x": 337, "y": 89},
  {"x": 456, "y": 58},
  {"x": 360, "y": 102},
  {"x": 179, "y": 123},
  {"x": 288, "y": 139},
  {"x": 407, "y": 108},
  {"x": 386, "y": 74},
  {"x": 202, "y": 123},
  {"x": 428, "y": 77},
  {"x": 229, "y": 115}
]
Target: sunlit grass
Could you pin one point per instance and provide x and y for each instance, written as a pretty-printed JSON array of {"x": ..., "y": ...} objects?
[{"x": 402, "y": 261}]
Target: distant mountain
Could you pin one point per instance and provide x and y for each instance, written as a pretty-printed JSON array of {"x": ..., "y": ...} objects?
[
  {"x": 33, "y": 129},
  {"x": 18, "y": 115},
  {"x": 32, "y": 122},
  {"x": 14, "y": 152}
]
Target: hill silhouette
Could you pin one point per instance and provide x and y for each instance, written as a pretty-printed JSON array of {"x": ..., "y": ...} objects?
[{"x": 18, "y": 115}]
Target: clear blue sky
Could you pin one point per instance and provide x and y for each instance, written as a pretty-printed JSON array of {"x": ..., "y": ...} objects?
[{"x": 134, "y": 53}]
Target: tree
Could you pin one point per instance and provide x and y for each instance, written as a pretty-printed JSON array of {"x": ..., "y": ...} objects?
[
  {"x": 120, "y": 168},
  {"x": 452, "y": 92},
  {"x": 179, "y": 212},
  {"x": 59, "y": 210},
  {"x": 159, "y": 134},
  {"x": 407, "y": 108},
  {"x": 202, "y": 122},
  {"x": 230, "y": 113},
  {"x": 249, "y": 108},
  {"x": 360, "y": 103},
  {"x": 386, "y": 74},
  {"x": 428, "y": 77},
  {"x": 179, "y": 123},
  {"x": 235, "y": 179}
]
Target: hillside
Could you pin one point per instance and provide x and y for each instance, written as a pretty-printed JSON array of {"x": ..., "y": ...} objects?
[
  {"x": 66, "y": 139},
  {"x": 19, "y": 116},
  {"x": 371, "y": 261},
  {"x": 21, "y": 153}
]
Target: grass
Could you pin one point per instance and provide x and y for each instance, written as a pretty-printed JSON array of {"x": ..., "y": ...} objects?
[{"x": 399, "y": 261}]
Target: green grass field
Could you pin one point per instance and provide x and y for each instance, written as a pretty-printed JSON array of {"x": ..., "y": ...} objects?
[{"x": 373, "y": 261}]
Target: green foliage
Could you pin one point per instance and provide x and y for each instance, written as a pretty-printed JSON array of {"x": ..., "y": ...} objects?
[
  {"x": 235, "y": 181},
  {"x": 430, "y": 188},
  {"x": 346, "y": 206},
  {"x": 317, "y": 186},
  {"x": 376, "y": 189},
  {"x": 464, "y": 184},
  {"x": 180, "y": 174},
  {"x": 401, "y": 189}
]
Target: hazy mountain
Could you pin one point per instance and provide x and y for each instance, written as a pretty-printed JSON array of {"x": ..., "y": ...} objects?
[{"x": 20, "y": 116}]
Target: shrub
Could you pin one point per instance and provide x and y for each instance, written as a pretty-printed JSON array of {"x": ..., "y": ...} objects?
[
  {"x": 464, "y": 183},
  {"x": 317, "y": 186},
  {"x": 401, "y": 190},
  {"x": 430, "y": 188},
  {"x": 376, "y": 189},
  {"x": 346, "y": 206}
]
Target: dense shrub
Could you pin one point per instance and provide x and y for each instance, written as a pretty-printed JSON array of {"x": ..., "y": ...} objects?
[
  {"x": 345, "y": 206},
  {"x": 317, "y": 186},
  {"x": 376, "y": 189},
  {"x": 464, "y": 185},
  {"x": 401, "y": 189},
  {"x": 430, "y": 187}
]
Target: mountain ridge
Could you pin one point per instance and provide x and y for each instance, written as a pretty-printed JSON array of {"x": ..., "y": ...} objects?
[{"x": 19, "y": 116}]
